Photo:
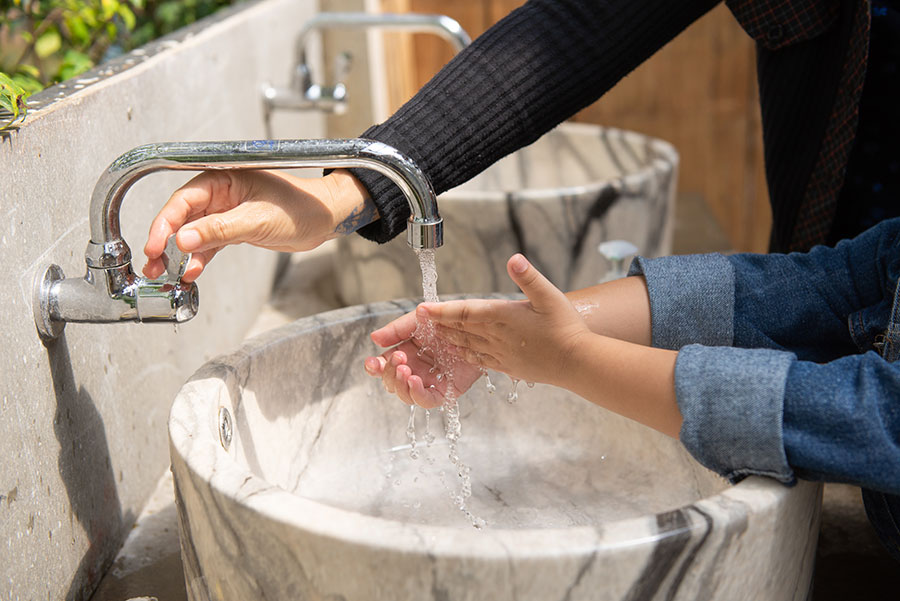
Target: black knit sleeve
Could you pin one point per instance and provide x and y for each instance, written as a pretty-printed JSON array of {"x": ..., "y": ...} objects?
[{"x": 529, "y": 72}]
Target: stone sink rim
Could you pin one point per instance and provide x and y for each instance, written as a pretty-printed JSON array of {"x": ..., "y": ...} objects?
[
  {"x": 201, "y": 452},
  {"x": 666, "y": 159}
]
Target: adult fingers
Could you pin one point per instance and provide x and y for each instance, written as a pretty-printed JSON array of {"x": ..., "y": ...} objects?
[
  {"x": 539, "y": 290},
  {"x": 240, "y": 224},
  {"x": 208, "y": 191},
  {"x": 155, "y": 267}
]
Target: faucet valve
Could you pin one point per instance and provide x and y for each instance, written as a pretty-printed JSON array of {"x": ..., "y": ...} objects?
[
  {"x": 164, "y": 300},
  {"x": 110, "y": 291},
  {"x": 304, "y": 94}
]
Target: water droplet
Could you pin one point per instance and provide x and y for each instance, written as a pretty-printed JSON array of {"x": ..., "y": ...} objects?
[
  {"x": 488, "y": 384},
  {"x": 513, "y": 396},
  {"x": 411, "y": 433},
  {"x": 529, "y": 384}
]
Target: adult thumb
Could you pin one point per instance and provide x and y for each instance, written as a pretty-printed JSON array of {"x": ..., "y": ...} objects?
[
  {"x": 215, "y": 231},
  {"x": 539, "y": 290}
]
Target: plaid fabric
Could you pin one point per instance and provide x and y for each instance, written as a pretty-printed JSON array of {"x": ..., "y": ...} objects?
[
  {"x": 778, "y": 23},
  {"x": 817, "y": 211}
]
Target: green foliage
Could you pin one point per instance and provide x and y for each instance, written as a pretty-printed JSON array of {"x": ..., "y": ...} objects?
[
  {"x": 12, "y": 98},
  {"x": 43, "y": 42}
]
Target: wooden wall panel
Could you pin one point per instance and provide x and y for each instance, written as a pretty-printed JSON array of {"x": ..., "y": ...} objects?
[{"x": 699, "y": 93}]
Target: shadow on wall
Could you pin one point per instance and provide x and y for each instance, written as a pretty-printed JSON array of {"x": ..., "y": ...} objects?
[{"x": 86, "y": 470}]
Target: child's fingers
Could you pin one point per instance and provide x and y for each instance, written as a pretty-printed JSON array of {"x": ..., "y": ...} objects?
[
  {"x": 389, "y": 377},
  {"x": 375, "y": 366},
  {"x": 539, "y": 290},
  {"x": 461, "y": 313},
  {"x": 401, "y": 386},
  {"x": 427, "y": 398},
  {"x": 463, "y": 339},
  {"x": 395, "y": 332}
]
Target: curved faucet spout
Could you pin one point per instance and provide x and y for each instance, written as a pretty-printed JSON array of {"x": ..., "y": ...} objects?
[
  {"x": 440, "y": 25},
  {"x": 424, "y": 229},
  {"x": 111, "y": 291},
  {"x": 305, "y": 94}
]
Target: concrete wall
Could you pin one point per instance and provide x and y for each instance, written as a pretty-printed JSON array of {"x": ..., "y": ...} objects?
[{"x": 83, "y": 420}]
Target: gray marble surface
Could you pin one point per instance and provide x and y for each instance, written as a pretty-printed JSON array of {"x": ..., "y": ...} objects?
[
  {"x": 316, "y": 496},
  {"x": 555, "y": 201}
]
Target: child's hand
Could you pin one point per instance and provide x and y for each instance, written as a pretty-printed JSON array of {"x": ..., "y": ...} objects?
[
  {"x": 528, "y": 340},
  {"x": 409, "y": 375}
]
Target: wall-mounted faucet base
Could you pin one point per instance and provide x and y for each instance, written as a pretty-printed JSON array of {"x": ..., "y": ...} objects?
[{"x": 48, "y": 328}]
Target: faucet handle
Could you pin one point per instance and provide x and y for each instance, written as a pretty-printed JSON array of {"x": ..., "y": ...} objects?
[
  {"x": 167, "y": 298},
  {"x": 175, "y": 260},
  {"x": 615, "y": 252}
]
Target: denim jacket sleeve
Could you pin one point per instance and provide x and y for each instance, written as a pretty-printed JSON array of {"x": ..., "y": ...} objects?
[{"x": 768, "y": 378}]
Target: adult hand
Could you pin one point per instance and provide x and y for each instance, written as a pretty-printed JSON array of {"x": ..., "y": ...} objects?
[
  {"x": 408, "y": 374},
  {"x": 269, "y": 209}
]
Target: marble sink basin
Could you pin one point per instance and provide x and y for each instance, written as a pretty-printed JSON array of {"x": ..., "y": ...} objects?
[
  {"x": 294, "y": 481},
  {"x": 555, "y": 201}
]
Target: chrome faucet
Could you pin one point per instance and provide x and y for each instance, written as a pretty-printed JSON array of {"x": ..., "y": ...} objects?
[
  {"x": 303, "y": 94},
  {"x": 110, "y": 291}
]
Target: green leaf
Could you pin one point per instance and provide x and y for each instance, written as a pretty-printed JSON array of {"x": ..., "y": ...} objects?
[
  {"x": 31, "y": 85},
  {"x": 48, "y": 43},
  {"x": 13, "y": 99},
  {"x": 29, "y": 70},
  {"x": 127, "y": 17},
  {"x": 78, "y": 30},
  {"x": 74, "y": 63},
  {"x": 109, "y": 8}
]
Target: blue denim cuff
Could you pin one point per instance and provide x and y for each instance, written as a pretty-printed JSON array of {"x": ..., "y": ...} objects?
[
  {"x": 732, "y": 402},
  {"x": 691, "y": 299}
]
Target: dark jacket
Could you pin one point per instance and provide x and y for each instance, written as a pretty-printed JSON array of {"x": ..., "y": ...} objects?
[{"x": 550, "y": 58}]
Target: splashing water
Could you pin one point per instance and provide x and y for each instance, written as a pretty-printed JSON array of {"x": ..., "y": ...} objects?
[
  {"x": 411, "y": 433},
  {"x": 513, "y": 395},
  {"x": 488, "y": 384},
  {"x": 444, "y": 362},
  {"x": 429, "y": 437}
]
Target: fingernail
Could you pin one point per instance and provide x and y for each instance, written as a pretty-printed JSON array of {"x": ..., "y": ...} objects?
[
  {"x": 189, "y": 239},
  {"x": 422, "y": 311},
  {"x": 519, "y": 263}
]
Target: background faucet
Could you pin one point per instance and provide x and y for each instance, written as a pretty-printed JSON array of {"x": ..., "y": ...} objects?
[
  {"x": 304, "y": 94},
  {"x": 110, "y": 291}
]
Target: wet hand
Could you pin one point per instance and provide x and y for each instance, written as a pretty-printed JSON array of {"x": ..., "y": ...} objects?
[
  {"x": 408, "y": 373},
  {"x": 528, "y": 340}
]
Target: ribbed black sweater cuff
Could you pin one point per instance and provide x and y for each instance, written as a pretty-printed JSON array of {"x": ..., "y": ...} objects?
[{"x": 532, "y": 70}]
